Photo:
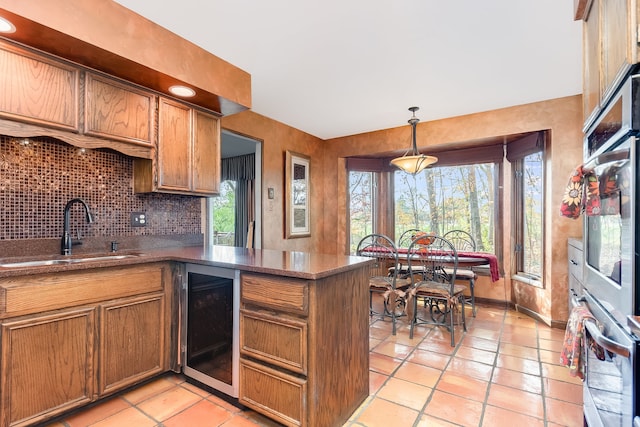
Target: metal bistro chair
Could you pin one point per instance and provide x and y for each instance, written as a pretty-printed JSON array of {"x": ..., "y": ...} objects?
[
  {"x": 464, "y": 242},
  {"x": 427, "y": 260},
  {"x": 407, "y": 237},
  {"x": 384, "y": 277},
  {"x": 405, "y": 240}
]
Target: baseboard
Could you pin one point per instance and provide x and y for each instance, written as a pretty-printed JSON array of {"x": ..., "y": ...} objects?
[
  {"x": 495, "y": 303},
  {"x": 558, "y": 324}
]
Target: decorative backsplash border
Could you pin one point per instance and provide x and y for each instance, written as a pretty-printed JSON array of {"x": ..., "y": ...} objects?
[{"x": 39, "y": 175}]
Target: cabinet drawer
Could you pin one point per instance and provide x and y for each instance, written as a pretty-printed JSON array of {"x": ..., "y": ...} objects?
[
  {"x": 575, "y": 262},
  {"x": 285, "y": 294},
  {"x": 43, "y": 292},
  {"x": 273, "y": 339},
  {"x": 280, "y": 396}
]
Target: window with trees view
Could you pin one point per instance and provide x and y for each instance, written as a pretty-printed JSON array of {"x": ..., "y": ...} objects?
[
  {"x": 463, "y": 190},
  {"x": 224, "y": 208},
  {"x": 529, "y": 192},
  {"x": 440, "y": 199},
  {"x": 361, "y": 206}
]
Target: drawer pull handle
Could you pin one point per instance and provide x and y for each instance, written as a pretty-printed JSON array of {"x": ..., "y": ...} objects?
[{"x": 573, "y": 262}]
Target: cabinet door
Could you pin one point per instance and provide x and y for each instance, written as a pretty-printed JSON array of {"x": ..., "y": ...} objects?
[
  {"x": 47, "y": 365},
  {"x": 116, "y": 111},
  {"x": 37, "y": 90},
  {"x": 618, "y": 44},
  {"x": 591, "y": 62},
  {"x": 132, "y": 342},
  {"x": 174, "y": 146},
  {"x": 206, "y": 153}
]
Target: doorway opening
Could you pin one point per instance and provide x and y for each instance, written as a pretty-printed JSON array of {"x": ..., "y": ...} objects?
[{"x": 233, "y": 218}]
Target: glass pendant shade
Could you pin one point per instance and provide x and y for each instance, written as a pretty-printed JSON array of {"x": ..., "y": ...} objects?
[
  {"x": 413, "y": 161},
  {"x": 413, "y": 164}
]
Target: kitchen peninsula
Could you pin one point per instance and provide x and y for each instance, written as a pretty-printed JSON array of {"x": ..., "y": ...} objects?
[{"x": 303, "y": 330}]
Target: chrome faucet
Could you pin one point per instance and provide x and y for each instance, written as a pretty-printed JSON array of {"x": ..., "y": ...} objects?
[{"x": 66, "y": 237}]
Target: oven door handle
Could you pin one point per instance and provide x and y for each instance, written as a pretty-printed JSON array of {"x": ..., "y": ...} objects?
[
  {"x": 604, "y": 342},
  {"x": 604, "y": 158}
]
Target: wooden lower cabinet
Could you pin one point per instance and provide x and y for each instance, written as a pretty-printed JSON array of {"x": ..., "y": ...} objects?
[
  {"x": 304, "y": 347},
  {"x": 132, "y": 345},
  {"x": 275, "y": 393},
  {"x": 47, "y": 365},
  {"x": 56, "y": 360}
]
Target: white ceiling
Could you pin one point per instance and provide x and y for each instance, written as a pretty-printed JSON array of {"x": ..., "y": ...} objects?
[{"x": 340, "y": 67}]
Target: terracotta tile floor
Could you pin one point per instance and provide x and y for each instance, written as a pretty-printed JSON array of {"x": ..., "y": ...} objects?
[{"x": 503, "y": 371}]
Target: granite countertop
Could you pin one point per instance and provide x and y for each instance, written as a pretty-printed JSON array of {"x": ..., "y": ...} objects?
[{"x": 284, "y": 263}]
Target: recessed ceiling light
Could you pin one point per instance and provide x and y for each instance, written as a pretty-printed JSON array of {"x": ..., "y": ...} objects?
[
  {"x": 183, "y": 91},
  {"x": 6, "y": 26}
]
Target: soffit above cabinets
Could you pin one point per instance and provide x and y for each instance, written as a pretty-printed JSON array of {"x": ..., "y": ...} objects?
[{"x": 110, "y": 38}]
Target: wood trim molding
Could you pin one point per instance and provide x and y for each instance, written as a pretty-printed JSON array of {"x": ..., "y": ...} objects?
[{"x": 581, "y": 9}]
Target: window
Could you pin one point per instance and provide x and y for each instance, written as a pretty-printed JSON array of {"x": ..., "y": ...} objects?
[
  {"x": 224, "y": 212},
  {"x": 527, "y": 159},
  {"x": 361, "y": 206},
  {"x": 528, "y": 174},
  {"x": 440, "y": 199}
]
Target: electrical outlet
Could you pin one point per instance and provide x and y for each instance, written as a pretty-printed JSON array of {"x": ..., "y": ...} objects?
[{"x": 138, "y": 219}]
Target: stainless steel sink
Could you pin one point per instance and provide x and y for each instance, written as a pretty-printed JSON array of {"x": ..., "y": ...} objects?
[
  {"x": 38, "y": 263},
  {"x": 101, "y": 258},
  {"x": 63, "y": 261}
]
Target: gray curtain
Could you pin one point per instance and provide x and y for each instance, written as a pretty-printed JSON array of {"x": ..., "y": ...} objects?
[{"x": 242, "y": 170}]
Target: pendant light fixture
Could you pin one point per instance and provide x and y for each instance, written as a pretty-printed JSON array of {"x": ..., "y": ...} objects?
[{"x": 412, "y": 161}]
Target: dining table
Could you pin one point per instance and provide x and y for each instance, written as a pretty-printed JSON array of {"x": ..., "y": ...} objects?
[{"x": 468, "y": 259}]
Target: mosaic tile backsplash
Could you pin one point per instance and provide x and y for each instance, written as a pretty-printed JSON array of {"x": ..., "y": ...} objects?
[{"x": 39, "y": 175}]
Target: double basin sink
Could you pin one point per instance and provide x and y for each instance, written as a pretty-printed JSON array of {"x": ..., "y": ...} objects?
[{"x": 65, "y": 261}]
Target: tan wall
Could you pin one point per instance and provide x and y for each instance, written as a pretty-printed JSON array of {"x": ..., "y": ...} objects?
[
  {"x": 562, "y": 117},
  {"x": 276, "y": 139}
]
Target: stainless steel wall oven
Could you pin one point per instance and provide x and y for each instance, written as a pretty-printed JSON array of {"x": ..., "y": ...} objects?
[
  {"x": 611, "y": 261},
  {"x": 609, "y": 394},
  {"x": 210, "y": 327}
]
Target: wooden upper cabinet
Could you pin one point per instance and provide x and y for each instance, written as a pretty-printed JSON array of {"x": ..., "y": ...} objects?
[
  {"x": 206, "y": 153},
  {"x": 117, "y": 111},
  {"x": 591, "y": 62},
  {"x": 174, "y": 146},
  {"x": 188, "y": 153},
  {"x": 610, "y": 49},
  {"x": 37, "y": 89},
  {"x": 619, "y": 43}
]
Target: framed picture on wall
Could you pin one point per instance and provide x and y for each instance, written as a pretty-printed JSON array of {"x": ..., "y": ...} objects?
[{"x": 297, "y": 211}]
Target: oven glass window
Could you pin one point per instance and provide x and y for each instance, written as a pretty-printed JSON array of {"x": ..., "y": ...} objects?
[
  {"x": 609, "y": 214},
  {"x": 604, "y": 245},
  {"x": 607, "y": 387},
  {"x": 608, "y": 126}
]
